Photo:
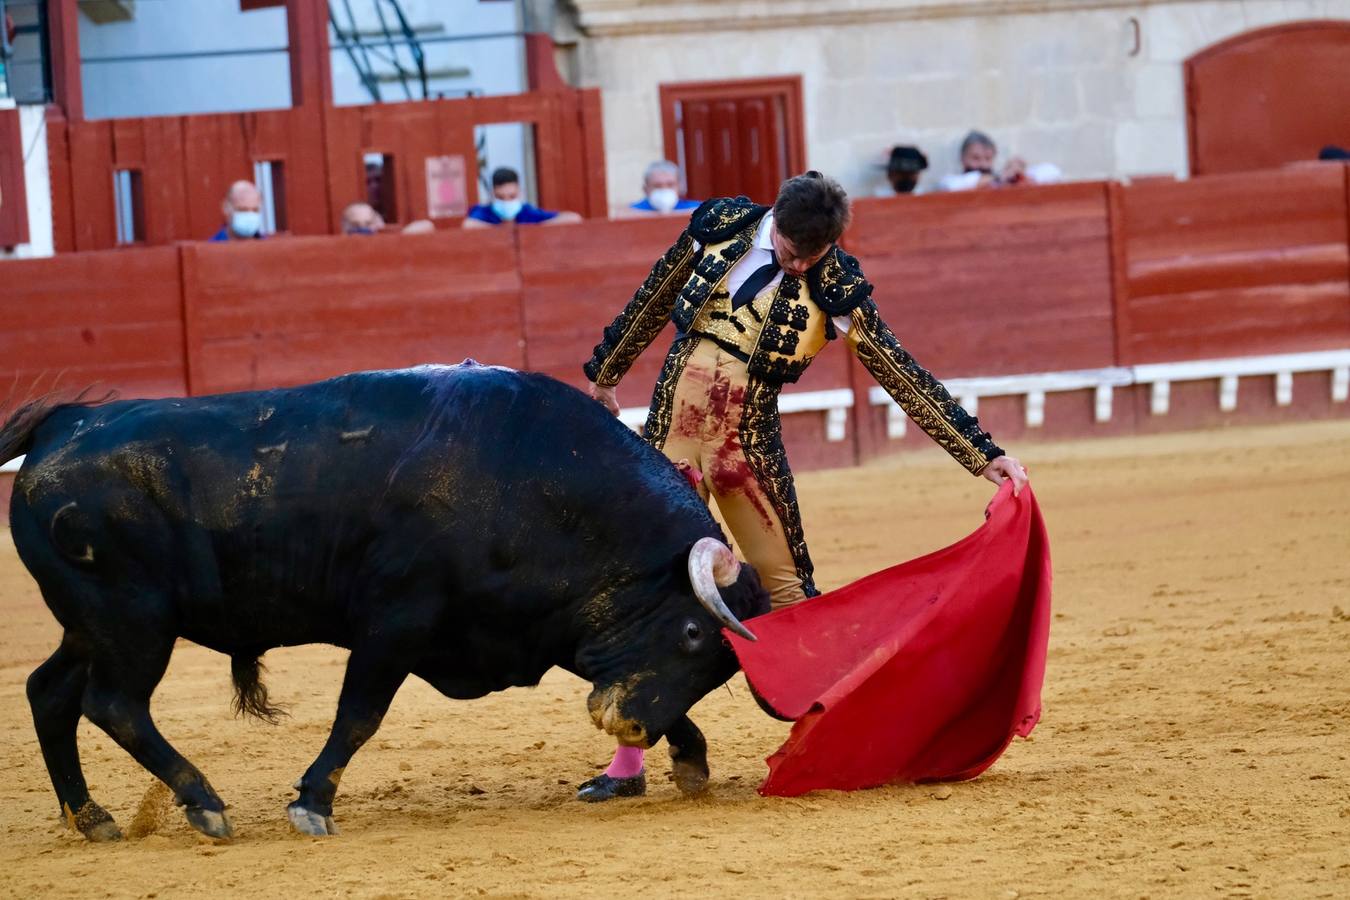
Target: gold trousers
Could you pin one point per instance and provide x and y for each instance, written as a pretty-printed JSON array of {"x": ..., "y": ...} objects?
[{"x": 709, "y": 410}]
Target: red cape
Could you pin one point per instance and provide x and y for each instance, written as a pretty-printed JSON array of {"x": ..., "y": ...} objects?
[{"x": 921, "y": 672}]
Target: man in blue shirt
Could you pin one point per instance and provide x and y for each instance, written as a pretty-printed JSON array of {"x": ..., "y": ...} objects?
[
  {"x": 507, "y": 206},
  {"x": 242, "y": 209},
  {"x": 661, "y": 190}
]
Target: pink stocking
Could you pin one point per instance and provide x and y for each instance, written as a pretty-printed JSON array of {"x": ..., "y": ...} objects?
[{"x": 627, "y": 763}]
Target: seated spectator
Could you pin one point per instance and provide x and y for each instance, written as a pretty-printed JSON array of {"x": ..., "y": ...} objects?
[
  {"x": 978, "y": 153},
  {"x": 242, "y": 209},
  {"x": 903, "y": 168},
  {"x": 663, "y": 190},
  {"x": 361, "y": 218},
  {"x": 506, "y": 206}
]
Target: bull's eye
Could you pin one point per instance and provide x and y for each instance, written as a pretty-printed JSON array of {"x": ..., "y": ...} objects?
[{"x": 693, "y": 636}]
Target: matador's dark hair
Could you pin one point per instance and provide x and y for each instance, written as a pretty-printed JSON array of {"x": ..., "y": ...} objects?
[{"x": 812, "y": 211}]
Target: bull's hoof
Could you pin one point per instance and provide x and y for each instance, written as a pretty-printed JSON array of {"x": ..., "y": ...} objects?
[
  {"x": 209, "y": 822},
  {"x": 94, "y": 822},
  {"x": 691, "y": 777},
  {"x": 310, "y": 823},
  {"x": 604, "y": 787}
]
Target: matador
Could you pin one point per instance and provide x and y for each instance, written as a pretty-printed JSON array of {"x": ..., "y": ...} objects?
[{"x": 755, "y": 293}]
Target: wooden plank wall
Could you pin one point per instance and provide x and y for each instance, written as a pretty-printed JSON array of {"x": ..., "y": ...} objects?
[
  {"x": 110, "y": 319},
  {"x": 285, "y": 312},
  {"x": 1032, "y": 280},
  {"x": 188, "y": 162},
  {"x": 994, "y": 283},
  {"x": 1232, "y": 265}
]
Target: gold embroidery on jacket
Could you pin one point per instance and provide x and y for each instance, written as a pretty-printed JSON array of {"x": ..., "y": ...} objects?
[{"x": 662, "y": 410}]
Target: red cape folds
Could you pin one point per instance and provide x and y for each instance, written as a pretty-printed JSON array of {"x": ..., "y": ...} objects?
[{"x": 920, "y": 672}]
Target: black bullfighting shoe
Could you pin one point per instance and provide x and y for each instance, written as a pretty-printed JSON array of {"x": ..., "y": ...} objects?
[{"x": 604, "y": 787}]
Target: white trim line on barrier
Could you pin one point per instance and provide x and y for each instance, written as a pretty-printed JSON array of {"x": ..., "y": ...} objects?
[
  {"x": 834, "y": 403},
  {"x": 1159, "y": 376}
]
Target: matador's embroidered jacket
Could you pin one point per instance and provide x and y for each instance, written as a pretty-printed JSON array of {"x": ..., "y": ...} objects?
[{"x": 779, "y": 335}]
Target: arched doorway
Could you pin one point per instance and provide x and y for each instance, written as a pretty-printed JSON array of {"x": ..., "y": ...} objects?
[{"x": 1268, "y": 97}]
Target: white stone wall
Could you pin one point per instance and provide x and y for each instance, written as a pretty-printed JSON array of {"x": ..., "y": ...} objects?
[{"x": 1066, "y": 83}]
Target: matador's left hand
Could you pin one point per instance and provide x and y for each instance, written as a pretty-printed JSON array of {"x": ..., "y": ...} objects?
[{"x": 1001, "y": 468}]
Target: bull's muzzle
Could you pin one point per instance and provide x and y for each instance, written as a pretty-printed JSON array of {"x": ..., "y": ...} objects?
[{"x": 604, "y": 707}]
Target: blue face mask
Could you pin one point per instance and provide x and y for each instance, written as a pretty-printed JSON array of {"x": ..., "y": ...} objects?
[
  {"x": 507, "y": 210},
  {"x": 245, "y": 224}
]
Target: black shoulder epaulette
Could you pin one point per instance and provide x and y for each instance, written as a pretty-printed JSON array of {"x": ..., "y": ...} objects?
[
  {"x": 718, "y": 219},
  {"x": 837, "y": 283}
]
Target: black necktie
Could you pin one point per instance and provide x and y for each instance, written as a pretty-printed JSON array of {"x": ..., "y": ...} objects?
[{"x": 756, "y": 282}]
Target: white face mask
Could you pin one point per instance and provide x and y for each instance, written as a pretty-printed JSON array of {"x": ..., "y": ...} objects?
[
  {"x": 507, "y": 210},
  {"x": 663, "y": 199},
  {"x": 245, "y": 224}
]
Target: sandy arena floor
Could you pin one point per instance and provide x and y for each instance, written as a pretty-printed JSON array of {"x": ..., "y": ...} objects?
[{"x": 1194, "y": 742}]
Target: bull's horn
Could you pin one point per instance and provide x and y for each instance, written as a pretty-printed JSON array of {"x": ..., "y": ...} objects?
[{"x": 713, "y": 565}]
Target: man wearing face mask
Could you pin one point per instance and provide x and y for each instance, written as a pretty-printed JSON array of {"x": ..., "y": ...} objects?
[
  {"x": 755, "y": 293},
  {"x": 242, "y": 208},
  {"x": 508, "y": 206},
  {"x": 661, "y": 185}
]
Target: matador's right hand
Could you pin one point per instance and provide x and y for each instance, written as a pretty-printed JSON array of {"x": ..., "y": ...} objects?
[{"x": 607, "y": 397}]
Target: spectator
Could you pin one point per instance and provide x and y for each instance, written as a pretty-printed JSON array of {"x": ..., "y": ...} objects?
[
  {"x": 663, "y": 190},
  {"x": 903, "y": 168},
  {"x": 978, "y": 153},
  {"x": 361, "y": 218},
  {"x": 242, "y": 209},
  {"x": 506, "y": 206}
]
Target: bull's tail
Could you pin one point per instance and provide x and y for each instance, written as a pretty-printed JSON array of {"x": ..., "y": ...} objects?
[
  {"x": 16, "y": 435},
  {"x": 250, "y": 694}
]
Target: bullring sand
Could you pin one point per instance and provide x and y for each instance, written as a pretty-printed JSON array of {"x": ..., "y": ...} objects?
[{"x": 1194, "y": 741}]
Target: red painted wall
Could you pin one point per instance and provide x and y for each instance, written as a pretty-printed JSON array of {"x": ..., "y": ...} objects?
[
  {"x": 1234, "y": 265},
  {"x": 188, "y": 162},
  {"x": 1031, "y": 280}
]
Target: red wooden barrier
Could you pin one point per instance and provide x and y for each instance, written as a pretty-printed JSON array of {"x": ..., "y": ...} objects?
[
  {"x": 987, "y": 283},
  {"x": 575, "y": 280},
  {"x": 108, "y": 319},
  {"x": 187, "y": 163},
  {"x": 1234, "y": 265},
  {"x": 281, "y": 312},
  {"x": 991, "y": 283}
]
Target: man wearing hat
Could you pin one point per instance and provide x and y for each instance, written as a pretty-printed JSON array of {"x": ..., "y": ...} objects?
[{"x": 903, "y": 168}]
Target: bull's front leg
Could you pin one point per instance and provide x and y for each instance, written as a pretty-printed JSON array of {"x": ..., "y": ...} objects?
[
  {"x": 688, "y": 757},
  {"x": 373, "y": 677}
]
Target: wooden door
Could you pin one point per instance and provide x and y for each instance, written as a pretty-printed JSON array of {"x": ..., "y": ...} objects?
[
  {"x": 735, "y": 137},
  {"x": 1269, "y": 97}
]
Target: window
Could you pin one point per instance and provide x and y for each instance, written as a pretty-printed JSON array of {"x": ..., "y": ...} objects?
[
  {"x": 381, "y": 184},
  {"x": 270, "y": 177},
  {"x": 735, "y": 137},
  {"x": 129, "y": 203}
]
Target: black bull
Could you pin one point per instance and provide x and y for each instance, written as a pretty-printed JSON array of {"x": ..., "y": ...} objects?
[{"x": 470, "y": 525}]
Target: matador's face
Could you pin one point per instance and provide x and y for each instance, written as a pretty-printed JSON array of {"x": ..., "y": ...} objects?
[{"x": 793, "y": 261}]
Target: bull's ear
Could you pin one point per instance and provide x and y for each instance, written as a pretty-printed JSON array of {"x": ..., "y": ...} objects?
[{"x": 747, "y": 598}]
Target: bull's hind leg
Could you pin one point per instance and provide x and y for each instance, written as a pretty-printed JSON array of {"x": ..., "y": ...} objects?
[
  {"x": 373, "y": 678},
  {"x": 54, "y": 691},
  {"x": 117, "y": 699}
]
